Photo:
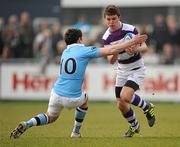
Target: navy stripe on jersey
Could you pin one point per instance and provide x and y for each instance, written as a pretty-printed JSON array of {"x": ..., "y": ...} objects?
[{"x": 131, "y": 59}]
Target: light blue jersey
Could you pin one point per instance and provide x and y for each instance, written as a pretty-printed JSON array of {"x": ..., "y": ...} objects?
[{"x": 73, "y": 64}]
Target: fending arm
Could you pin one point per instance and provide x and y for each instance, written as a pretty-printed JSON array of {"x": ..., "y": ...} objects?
[{"x": 116, "y": 48}]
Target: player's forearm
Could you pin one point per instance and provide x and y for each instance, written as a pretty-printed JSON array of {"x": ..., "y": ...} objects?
[
  {"x": 116, "y": 48},
  {"x": 112, "y": 59},
  {"x": 143, "y": 48}
]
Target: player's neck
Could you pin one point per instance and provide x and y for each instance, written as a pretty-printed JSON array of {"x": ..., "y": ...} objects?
[{"x": 115, "y": 28}]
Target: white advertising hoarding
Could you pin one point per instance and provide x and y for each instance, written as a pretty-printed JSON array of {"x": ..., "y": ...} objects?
[
  {"x": 25, "y": 82},
  {"x": 19, "y": 81},
  {"x": 122, "y": 3}
]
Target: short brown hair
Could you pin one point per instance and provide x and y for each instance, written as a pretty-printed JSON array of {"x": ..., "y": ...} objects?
[
  {"x": 72, "y": 35},
  {"x": 112, "y": 10}
]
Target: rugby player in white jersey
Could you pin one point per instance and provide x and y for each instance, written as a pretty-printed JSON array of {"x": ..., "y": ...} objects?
[
  {"x": 67, "y": 91},
  {"x": 130, "y": 70}
]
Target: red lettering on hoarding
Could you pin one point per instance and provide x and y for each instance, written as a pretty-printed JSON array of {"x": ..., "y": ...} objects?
[
  {"x": 39, "y": 83},
  {"x": 161, "y": 83},
  {"x": 23, "y": 81},
  {"x": 108, "y": 81},
  {"x": 30, "y": 82}
]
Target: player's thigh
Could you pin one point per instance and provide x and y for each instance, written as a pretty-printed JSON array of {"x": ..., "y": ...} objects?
[
  {"x": 54, "y": 107},
  {"x": 118, "y": 91},
  {"x": 134, "y": 80},
  {"x": 120, "y": 81},
  {"x": 137, "y": 76},
  {"x": 74, "y": 102},
  {"x": 126, "y": 93}
]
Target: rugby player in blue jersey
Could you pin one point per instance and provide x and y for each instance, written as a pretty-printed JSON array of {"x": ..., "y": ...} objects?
[
  {"x": 130, "y": 69},
  {"x": 67, "y": 91}
]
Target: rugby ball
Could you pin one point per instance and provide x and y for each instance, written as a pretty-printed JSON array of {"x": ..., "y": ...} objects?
[{"x": 128, "y": 36}]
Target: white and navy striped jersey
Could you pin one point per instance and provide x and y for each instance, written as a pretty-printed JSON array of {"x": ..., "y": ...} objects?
[{"x": 125, "y": 61}]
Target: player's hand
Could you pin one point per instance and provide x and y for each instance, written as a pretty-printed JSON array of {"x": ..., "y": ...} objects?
[
  {"x": 138, "y": 39},
  {"x": 132, "y": 49}
]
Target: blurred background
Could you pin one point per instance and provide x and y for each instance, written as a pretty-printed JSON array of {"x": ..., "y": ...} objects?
[{"x": 31, "y": 43}]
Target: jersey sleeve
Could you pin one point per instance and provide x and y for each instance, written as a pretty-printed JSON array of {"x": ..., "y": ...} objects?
[{"x": 92, "y": 52}]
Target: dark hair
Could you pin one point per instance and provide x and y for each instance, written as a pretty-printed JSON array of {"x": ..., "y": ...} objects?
[
  {"x": 112, "y": 10},
  {"x": 72, "y": 35}
]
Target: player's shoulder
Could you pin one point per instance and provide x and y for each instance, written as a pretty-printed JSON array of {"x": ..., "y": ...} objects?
[
  {"x": 88, "y": 49},
  {"x": 92, "y": 48},
  {"x": 128, "y": 27}
]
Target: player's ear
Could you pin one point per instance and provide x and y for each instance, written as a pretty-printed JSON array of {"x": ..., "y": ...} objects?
[{"x": 80, "y": 40}]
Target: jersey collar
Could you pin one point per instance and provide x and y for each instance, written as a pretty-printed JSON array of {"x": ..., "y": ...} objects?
[{"x": 75, "y": 44}]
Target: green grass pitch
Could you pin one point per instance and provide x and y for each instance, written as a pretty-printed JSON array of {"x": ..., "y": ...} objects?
[{"x": 103, "y": 127}]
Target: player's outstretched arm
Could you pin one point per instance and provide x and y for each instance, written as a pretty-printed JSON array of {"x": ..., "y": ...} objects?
[
  {"x": 116, "y": 48},
  {"x": 142, "y": 48}
]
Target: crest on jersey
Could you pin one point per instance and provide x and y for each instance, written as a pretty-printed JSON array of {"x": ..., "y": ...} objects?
[{"x": 93, "y": 47}]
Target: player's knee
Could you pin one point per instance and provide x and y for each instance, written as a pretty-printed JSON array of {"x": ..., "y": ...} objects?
[
  {"x": 121, "y": 104},
  {"x": 52, "y": 118},
  {"x": 85, "y": 104},
  {"x": 125, "y": 97}
]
